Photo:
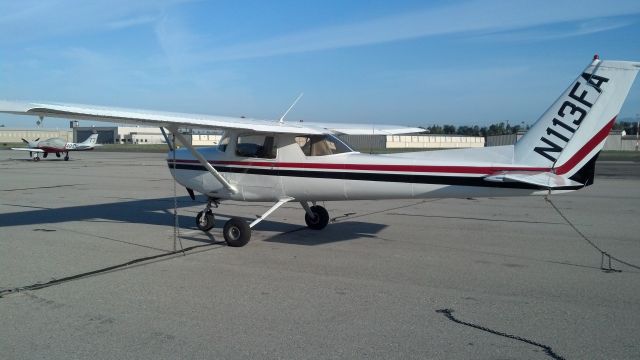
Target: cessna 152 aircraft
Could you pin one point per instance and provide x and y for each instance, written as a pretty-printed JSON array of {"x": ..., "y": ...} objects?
[
  {"x": 57, "y": 146},
  {"x": 279, "y": 162}
]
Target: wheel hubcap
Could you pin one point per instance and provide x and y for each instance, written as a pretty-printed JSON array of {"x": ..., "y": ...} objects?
[
  {"x": 234, "y": 233},
  {"x": 315, "y": 218}
]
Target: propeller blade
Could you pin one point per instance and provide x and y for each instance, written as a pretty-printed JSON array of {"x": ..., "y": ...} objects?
[
  {"x": 25, "y": 141},
  {"x": 36, "y": 139}
]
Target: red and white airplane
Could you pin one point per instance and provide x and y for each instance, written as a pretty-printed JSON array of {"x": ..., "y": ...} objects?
[
  {"x": 57, "y": 146},
  {"x": 279, "y": 162}
]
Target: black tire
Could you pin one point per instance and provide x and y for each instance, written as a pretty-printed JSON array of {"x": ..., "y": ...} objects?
[
  {"x": 57, "y": 155},
  {"x": 205, "y": 221},
  {"x": 237, "y": 232},
  {"x": 37, "y": 158},
  {"x": 66, "y": 158},
  {"x": 45, "y": 155},
  {"x": 321, "y": 218}
]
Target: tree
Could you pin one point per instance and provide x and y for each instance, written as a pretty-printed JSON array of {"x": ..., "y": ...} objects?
[
  {"x": 500, "y": 128},
  {"x": 449, "y": 129}
]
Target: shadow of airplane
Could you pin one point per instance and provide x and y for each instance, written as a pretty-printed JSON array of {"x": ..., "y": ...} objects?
[
  {"x": 334, "y": 232},
  {"x": 148, "y": 211},
  {"x": 159, "y": 211}
]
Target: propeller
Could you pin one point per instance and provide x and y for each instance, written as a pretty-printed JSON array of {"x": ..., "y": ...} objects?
[{"x": 31, "y": 143}]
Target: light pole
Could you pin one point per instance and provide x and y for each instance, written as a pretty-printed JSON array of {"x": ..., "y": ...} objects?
[{"x": 637, "y": 131}]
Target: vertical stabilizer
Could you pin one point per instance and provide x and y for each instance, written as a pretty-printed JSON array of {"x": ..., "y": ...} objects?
[
  {"x": 573, "y": 130},
  {"x": 91, "y": 140}
]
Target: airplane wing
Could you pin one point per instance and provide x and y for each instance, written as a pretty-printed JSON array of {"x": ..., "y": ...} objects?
[
  {"x": 28, "y": 149},
  {"x": 363, "y": 129},
  {"x": 180, "y": 120}
]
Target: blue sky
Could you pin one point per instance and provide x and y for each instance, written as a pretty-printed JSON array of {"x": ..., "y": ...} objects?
[{"x": 374, "y": 61}]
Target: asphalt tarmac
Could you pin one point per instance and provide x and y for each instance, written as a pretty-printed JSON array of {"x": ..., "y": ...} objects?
[{"x": 501, "y": 278}]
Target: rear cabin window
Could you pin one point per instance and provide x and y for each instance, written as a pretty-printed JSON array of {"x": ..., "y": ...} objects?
[
  {"x": 257, "y": 146},
  {"x": 222, "y": 145},
  {"x": 320, "y": 145}
]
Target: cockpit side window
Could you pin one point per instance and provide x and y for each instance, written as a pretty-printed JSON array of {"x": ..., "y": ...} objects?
[
  {"x": 320, "y": 145},
  {"x": 257, "y": 146},
  {"x": 224, "y": 142}
]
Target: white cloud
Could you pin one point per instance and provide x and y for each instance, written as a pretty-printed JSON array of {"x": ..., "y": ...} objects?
[
  {"x": 133, "y": 21},
  {"x": 566, "y": 31},
  {"x": 471, "y": 17},
  {"x": 30, "y": 20}
]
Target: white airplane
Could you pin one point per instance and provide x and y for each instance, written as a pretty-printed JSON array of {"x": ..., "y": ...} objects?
[
  {"x": 279, "y": 162},
  {"x": 57, "y": 146}
]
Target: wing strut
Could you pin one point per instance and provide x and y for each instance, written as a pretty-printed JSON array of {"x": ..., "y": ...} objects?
[
  {"x": 203, "y": 161},
  {"x": 166, "y": 138}
]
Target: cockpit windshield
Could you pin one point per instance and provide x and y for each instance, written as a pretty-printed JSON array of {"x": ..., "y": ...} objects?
[
  {"x": 320, "y": 145},
  {"x": 54, "y": 143}
]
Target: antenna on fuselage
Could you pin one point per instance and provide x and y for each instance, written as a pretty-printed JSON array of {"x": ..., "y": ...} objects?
[{"x": 281, "y": 121}]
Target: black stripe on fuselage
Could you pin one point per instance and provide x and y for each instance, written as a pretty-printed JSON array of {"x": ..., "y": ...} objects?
[{"x": 373, "y": 176}]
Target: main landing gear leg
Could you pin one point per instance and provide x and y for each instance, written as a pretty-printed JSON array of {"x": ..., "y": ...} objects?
[
  {"x": 315, "y": 216},
  {"x": 66, "y": 156},
  {"x": 237, "y": 232},
  {"x": 205, "y": 219}
]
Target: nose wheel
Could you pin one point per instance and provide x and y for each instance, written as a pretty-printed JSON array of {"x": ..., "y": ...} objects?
[{"x": 205, "y": 220}]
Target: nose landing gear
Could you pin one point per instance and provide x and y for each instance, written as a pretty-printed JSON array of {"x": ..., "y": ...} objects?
[{"x": 205, "y": 220}]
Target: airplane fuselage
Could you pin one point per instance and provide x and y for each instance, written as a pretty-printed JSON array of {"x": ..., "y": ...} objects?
[{"x": 348, "y": 175}]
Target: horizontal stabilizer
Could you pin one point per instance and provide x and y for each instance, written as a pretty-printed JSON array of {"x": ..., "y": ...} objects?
[{"x": 545, "y": 180}]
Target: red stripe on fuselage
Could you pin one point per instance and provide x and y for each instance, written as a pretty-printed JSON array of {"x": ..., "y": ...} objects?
[{"x": 51, "y": 149}]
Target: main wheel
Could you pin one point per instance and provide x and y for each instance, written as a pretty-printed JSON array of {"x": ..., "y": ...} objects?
[
  {"x": 57, "y": 155},
  {"x": 320, "y": 220},
  {"x": 66, "y": 158},
  {"x": 37, "y": 158},
  {"x": 205, "y": 220},
  {"x": 237, "y": 232},
  {"x": 45, "y": 155}
]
